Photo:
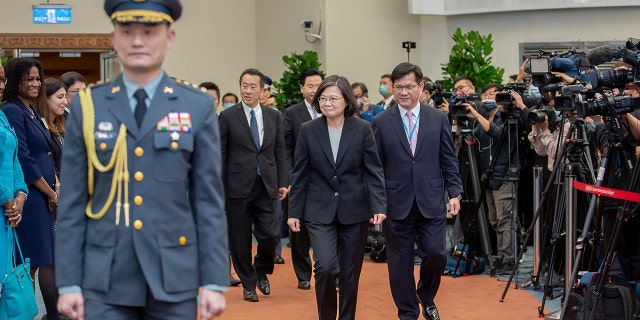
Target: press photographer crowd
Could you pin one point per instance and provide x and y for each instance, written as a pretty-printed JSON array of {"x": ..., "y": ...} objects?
[
  {"x": 567, "y": 125},
  {"x": 165, "y": 187}
]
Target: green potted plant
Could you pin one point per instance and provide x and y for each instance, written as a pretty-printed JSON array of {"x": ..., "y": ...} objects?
[
  {"x": 470, "y": 56},
  {"x": 288, "y": 89}
]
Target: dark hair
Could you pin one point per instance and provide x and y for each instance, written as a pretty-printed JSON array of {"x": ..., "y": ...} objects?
[
  {"x": 17, "y": 70},
  {"x": 229, "y": 94},
  {"x": 404, "y": 69},
  {"x": 362, "y": 87},
  {"x": 71, "y": 77},
  {"x": 211, "y": 86},
  {"x": 308, "y": 73},
  {"x": 253, "y": 72},
  {"x": 489, "y": 86},
  {"x": 460, "y": 78},
  {"x": 345, "y": 88},
  {"x": 55, "y": 124},
  {"x": 386, "y": 75}
]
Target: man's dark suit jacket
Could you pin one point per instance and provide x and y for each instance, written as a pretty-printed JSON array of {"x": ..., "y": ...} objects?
[
  {"x": 424, "y": 175},
  {"x": 350, "y": 188},
  {"x": 294, "y": 117},
  {"x": 241, "y": 157}
]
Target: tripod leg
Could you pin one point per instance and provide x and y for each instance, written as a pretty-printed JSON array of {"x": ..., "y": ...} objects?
[{"x": 482, "y": 218}]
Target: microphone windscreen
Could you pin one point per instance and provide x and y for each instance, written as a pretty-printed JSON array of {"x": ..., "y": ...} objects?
[
  {"x": 550, "y": 87},
  {"x": 600, "y": 55}
]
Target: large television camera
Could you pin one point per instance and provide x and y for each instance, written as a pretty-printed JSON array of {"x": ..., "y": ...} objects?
[
  {"x": 456, "y": 107},
  {"x": 607, "y": 106},
  {"x": 570, "y": 62}
]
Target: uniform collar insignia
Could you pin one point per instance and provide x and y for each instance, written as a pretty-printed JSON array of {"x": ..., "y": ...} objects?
[
  {"x": 168, "y": 90},
  {"x": 105, "y": 126},
  {"x": 115, "y": 89}
]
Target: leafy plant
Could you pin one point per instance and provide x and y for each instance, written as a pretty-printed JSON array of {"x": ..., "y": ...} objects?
[
  {"x": 470, "y": 56},
  {"x": 288, "y": 88}
]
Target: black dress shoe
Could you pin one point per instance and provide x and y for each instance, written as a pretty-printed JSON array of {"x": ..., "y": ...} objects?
[
  {"x": 430, "y": 312},
  {"x": 264, "y": 287},
  {"x": 250, "y": 295},
  {"x": 233, "y": 281},
  {"x": 304, "y": 285},
  {"x": 278, "y": 260}
]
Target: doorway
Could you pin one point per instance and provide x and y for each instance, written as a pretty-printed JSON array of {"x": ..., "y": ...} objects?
[{"x": 89, "y": 54}]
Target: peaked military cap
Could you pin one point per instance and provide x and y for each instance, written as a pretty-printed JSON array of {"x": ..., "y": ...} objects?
[{"x": 143, "y": 11}]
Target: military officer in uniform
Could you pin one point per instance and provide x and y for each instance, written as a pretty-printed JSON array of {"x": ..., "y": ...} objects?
[{"x": 141, "y": 223}]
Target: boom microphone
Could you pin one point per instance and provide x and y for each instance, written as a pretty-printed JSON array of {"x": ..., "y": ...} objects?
[{"x": 602, "y": 54}]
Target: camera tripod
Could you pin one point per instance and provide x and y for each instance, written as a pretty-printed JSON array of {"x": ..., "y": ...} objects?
[
  {"x": 467, "y": 139},
  {"x": 612, "y": 146},
  {"x": 510, "y": 125},
  {"x": 570, "y": 154},
  {"x": 570, "y": 171}
]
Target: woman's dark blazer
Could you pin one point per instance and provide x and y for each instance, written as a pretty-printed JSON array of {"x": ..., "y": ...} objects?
[{"x": 350, "y": 189}]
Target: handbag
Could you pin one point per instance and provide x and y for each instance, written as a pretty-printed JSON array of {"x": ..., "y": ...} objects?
[{"x": 17, "y": 299}]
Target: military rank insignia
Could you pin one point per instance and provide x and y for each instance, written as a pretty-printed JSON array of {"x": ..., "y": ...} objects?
[{"x": 175, "y": 121}]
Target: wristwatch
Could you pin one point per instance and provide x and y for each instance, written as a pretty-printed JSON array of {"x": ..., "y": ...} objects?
[{"x": 459, "y": 197}]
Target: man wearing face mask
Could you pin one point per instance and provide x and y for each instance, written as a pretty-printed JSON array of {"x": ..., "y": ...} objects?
[
  {"x": 501, "y": 192},
  {"x": 386, "y": 92},
  {"x": 366, "y": 110}
]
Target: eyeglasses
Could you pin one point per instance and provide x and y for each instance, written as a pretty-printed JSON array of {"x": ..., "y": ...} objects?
[
  {"x": 312, "y": 86},
  {"x": 409, "y": 87},
  {"x": 323, "y": 100},
  {"x": 462, "y": 86}
]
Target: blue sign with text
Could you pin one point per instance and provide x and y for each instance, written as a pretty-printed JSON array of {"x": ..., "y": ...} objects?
[{"x": 51, "y": 15}]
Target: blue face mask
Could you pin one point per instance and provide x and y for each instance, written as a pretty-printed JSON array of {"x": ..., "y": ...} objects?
[
  {"x": 384, "y": 89},
  {"x": 228, "y": 105},
  {"x": 534, "y": 92},
  {"x": 489, "y": 105}
]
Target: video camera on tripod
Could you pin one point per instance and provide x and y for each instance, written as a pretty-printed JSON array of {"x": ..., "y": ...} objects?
[{"x": 570, "y": 62}]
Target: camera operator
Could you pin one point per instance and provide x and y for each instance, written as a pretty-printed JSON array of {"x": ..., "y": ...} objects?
[
  {"x": 626, "y": 264},
  {"x": 501, "y": 192},
  {"x": 545, "y": 136}
]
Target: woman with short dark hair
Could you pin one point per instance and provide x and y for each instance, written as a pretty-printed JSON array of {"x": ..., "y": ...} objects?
[{"x": 337, "y": 190}]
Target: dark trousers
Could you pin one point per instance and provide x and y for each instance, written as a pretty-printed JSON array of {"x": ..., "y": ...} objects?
[
  {"x": 400, "y": 238},
  {"x": 338, "y": 251},
  {"x": 257, "y": 210},
  {"x": 300, "y": 245},
  {"x": 154, "y": 310}
]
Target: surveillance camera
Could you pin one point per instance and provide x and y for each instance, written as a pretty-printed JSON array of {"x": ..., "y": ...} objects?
[{"x": 306, "y": 24}]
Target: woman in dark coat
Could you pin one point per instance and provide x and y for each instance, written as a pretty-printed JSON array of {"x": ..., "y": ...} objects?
[{"x": 23, "y": 94}]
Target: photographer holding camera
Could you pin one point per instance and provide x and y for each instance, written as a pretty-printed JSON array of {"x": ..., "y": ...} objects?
[
  {"x": 501, "y": 192},
  {"x": 433, "y": 95}
]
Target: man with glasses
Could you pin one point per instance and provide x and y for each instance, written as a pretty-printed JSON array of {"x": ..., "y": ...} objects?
[
  {"x": 417, "y": 153},
  {"x": 294, "y": 117},
  {"x": 501, "y": 192}
]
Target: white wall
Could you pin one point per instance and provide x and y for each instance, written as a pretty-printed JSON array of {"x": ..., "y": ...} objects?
[
  {"x": 364, "y": 39},
  {"x": 511, "y": 29}
]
